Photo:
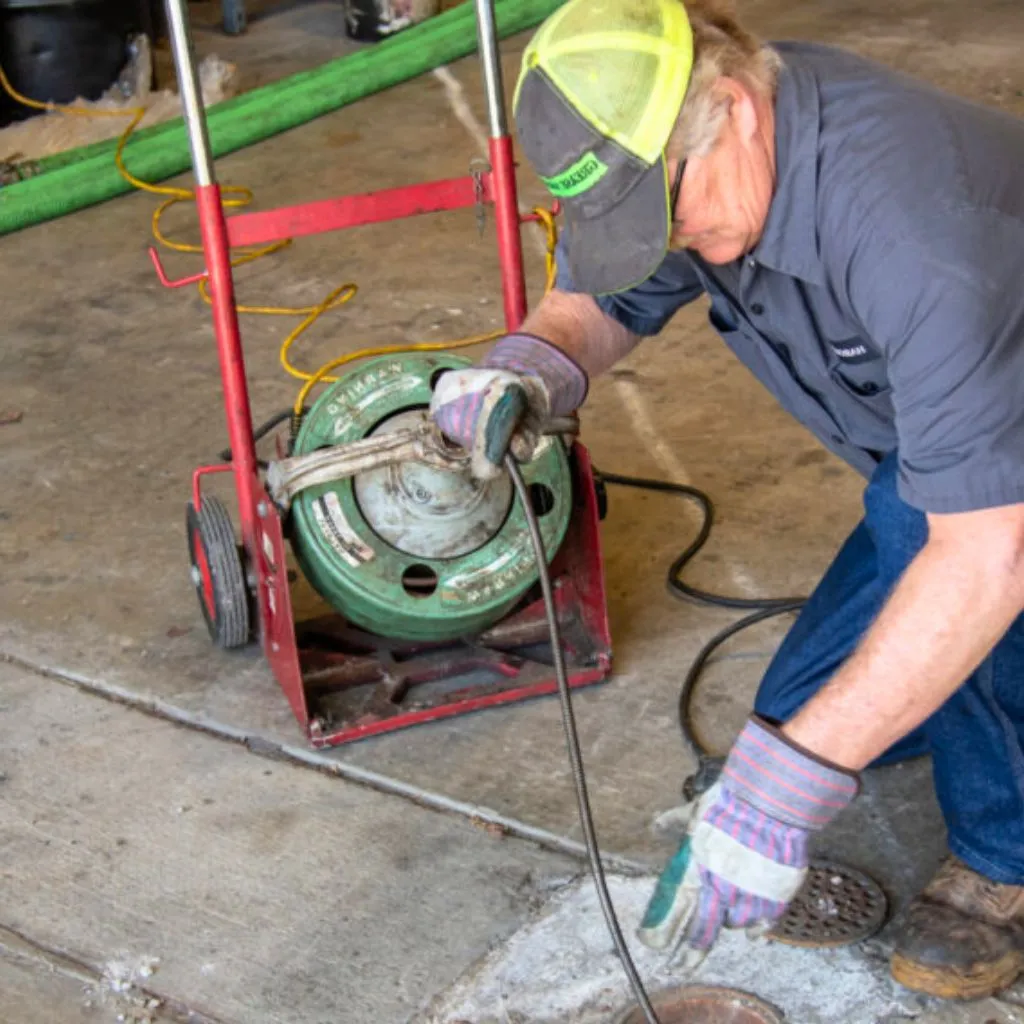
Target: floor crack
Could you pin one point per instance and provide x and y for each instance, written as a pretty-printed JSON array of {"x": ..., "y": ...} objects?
[
  {"x": 144, "y": 1001},
  {"x": 261, "y": 746}
]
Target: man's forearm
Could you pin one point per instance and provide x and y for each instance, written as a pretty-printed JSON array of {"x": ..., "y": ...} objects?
[
  {"x": 578, "y": 326},
  {"x": 953, "y": 604}
]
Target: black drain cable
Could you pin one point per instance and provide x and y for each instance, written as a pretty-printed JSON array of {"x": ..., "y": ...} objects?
[
  {"x": 759, "y": 609},
  {"x": 573, "y": 743},
  {"x": 708, "y": 765}
]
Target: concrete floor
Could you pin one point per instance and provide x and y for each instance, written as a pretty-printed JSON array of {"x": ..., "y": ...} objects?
[{"x": 147, "y": 853}]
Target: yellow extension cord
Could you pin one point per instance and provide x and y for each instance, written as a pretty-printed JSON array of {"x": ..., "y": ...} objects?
[{"x": 234, "y": 196}]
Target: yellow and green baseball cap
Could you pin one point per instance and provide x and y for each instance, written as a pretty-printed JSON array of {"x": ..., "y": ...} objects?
[{"x": 601, "y": 86}]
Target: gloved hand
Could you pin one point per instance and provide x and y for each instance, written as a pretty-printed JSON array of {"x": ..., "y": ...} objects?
[
  {"x": 744, "y": 856},
  {"x": 504, "y": 401}
]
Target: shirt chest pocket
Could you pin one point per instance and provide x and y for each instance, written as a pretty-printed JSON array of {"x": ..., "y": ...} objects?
[{"x": 858, "y": 367}]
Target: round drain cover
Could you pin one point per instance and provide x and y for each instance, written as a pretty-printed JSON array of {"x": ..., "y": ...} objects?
[
  {"x": 837, "y": 906},
  {"x": 704, "y": 1004}
]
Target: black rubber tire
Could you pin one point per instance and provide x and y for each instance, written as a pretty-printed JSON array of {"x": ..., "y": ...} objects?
[{"x": 211, "y": 540}]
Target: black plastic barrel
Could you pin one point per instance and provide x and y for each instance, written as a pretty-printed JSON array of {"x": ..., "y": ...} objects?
[
  {"x": 58, "y": 50},
  {"x": 366, "y": 21}
]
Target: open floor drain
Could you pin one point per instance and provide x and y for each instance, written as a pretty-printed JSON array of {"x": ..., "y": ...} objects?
[
  {"x": 836, "y": 906},
  {"x": 703, "y": 1004}
]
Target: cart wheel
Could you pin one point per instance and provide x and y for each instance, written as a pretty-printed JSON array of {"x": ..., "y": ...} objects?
[{"x": 217, "y": 573}]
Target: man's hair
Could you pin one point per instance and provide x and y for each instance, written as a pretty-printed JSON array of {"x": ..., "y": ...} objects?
[{"x": 721, "y": 48}]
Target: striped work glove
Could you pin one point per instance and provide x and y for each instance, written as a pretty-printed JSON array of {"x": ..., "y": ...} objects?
[
  {"x": 504, "y": 401},
  {"x": 745, "y": 852}
]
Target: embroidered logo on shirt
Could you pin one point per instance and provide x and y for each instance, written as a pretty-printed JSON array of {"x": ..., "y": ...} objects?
[{"x": 853, "y": 351}]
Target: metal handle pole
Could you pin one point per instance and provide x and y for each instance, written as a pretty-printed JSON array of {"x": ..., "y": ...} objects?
[
  {"x": 487, "y": 39},
  {"x": 216, "y": 249},
  {"x": 191, "y": 95}
]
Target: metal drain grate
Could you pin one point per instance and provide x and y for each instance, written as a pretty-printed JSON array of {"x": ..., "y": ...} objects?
[{"x": 837, "y": 906}]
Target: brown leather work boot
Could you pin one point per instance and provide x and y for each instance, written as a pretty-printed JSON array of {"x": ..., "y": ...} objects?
[{"x": 963, "y": 937}]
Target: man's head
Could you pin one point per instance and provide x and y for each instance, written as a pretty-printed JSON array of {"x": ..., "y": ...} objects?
[{"x": 614, "y": 96}]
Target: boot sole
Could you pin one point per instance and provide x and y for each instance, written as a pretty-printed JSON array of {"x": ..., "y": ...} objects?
[{"x": 956, "y": 983}]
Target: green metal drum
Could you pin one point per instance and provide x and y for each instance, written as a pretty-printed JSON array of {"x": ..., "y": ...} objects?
[{"x": 410, "y": 551}]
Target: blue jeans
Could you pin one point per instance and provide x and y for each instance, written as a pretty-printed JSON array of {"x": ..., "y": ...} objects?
[{"x": 976, "y": 739}]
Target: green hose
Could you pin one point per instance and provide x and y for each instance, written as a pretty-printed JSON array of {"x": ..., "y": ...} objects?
[{"x": 79, "y": 178}]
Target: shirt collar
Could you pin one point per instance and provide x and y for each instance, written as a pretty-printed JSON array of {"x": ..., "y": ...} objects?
[{"x": 789, "y": 243}]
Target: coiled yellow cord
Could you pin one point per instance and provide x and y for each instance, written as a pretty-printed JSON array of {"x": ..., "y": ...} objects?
[{"x": 236, "y": 196}]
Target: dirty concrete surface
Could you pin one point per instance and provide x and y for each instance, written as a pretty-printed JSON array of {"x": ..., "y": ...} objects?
[
  {"x": 241, "y": 888},
  {"x": 117, "y": 382}
]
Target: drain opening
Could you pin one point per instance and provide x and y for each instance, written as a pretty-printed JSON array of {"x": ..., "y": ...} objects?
[{"x": 706, "y": 1004}]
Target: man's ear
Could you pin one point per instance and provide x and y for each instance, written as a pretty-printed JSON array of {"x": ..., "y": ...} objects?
[{"x": 742, "y": 109}]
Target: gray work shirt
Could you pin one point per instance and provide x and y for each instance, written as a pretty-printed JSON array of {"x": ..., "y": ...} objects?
[{"x": 884, "y": 303}]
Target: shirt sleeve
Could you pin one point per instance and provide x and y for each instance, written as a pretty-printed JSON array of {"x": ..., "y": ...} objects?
[
  {"x": 645, "y": 309},
  {"x": 950, "y": 318}
]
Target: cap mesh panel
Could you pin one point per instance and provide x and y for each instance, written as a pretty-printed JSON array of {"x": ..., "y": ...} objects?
[
  {"x": 623, "y": 64},
  {"x": 618, "y": 109}
]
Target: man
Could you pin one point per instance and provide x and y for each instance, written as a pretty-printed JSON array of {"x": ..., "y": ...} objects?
[{"x": 861, "y": 239}]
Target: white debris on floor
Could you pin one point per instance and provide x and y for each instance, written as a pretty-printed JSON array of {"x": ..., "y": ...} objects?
[
  {"x": 127, "y": 972},
  {"x": 562, "y": 967},
  {"x": 121, "y": 989}
]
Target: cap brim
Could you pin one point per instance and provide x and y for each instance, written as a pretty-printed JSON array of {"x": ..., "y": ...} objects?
[{"x": 623, "y": 246}]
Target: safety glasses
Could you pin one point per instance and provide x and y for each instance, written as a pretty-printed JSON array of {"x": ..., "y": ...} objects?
[{"x": 677, "y": 184}]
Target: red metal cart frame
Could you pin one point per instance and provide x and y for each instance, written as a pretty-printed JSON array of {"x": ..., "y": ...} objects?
[{"x": 358, "y": 661}]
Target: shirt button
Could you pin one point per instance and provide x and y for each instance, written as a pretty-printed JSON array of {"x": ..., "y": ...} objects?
[
  {"x": 757, "y": 309},
  {"x": 751, "y": 263}
]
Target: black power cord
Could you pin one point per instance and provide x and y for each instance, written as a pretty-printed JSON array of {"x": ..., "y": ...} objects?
[
  {"x": 259, "y": 433},
  {"x": 709, "y": 765}
]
